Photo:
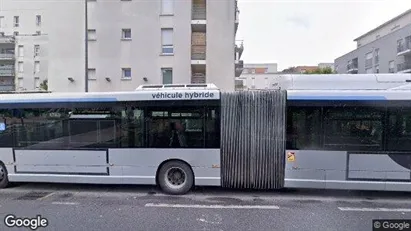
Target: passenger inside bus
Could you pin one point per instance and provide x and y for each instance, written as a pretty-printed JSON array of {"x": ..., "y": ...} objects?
[{"x": 178, "y": 138}]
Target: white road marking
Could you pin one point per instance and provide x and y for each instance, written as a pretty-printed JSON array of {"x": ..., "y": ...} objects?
[
  {"x": 212, "y": 206},
  {"x": 375, "y": 209},
  {"x": 48, "y": 195},
  {"x": 64, "y": 203}
]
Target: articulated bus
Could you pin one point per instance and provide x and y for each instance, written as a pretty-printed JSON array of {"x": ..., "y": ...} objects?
[{"x": 169, "y": 135}]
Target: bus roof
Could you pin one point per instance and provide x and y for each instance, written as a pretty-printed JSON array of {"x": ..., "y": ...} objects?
[
  {"x": 137, "y": 95},
  {"x": 347, "y": 95}
]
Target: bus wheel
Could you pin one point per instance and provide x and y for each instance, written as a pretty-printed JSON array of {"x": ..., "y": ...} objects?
[
  {"x": 4, "y": 180},
  {"x": 175, "y": 177}
]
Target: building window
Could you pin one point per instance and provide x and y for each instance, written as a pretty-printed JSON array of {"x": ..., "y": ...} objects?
[
  {"x": 92, "y": 35},
  {"x": 16, "y": 33},
  {"x": 1, "y": 21},
  {"x": 16, "y": 21},
  {"x": 167, "y": 75},
  {"x": 400, "y": 46},
  {"x": 391, "y": 66},
  {"x": 36, "y": 67},
  {"x": 126, "y": 73},
  {"x": 36, "y": 50},
  {"x": 376, "y": 56},
  {"x": 167, "y": 41},
  {"x": 126, "y": 34},
  {"x": 21, "y": 51},
  {"x": 92, "y": 74},
  {"x": 20, "y": 67},
  {"x": 38, "y": 20},
  {"x": 368, "y": 59},
  {"x": 36, "y": 83},
  {"x": 167, "y": 7}
]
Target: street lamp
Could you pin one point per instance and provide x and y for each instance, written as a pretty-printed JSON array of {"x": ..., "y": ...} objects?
[{"x": 86, "y": 45}]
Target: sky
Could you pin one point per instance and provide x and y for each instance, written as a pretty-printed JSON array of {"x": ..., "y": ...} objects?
[{"x": 308, "y": 32}]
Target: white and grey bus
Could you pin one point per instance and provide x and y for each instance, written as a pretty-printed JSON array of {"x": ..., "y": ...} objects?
[
  {"x": 112, "y": 138},
  {"x": 356, "y": 137}
]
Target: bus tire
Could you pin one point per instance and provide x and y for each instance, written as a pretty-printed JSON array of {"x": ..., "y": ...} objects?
[
  {"x": 4, "y": 179},
  {"x": 175, "y": 177}
]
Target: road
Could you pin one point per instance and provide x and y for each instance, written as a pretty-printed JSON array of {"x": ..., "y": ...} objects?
[{"x": 87, "y": 207}]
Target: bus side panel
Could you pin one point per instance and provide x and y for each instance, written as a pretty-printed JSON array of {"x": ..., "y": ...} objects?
[
  {"x": 392, "y": 169},
  {"x": 68, "y": 162},
  {"x": 312, "y": 169},
  {"x": 139, "y": 166},
  {"x": 6, "y": 156}
]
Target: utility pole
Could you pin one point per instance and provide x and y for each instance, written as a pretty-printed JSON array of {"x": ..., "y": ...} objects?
[{"x": 86, "y": 45}]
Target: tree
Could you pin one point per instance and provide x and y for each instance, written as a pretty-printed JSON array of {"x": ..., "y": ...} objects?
[
  {"x": 44, "y": 85},
  {"x": 290, "y": 70},
  {"x": 326, "y": 70}
]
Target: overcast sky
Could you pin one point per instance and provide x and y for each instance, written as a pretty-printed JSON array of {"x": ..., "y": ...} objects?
[{"x": 307, "y": 32}]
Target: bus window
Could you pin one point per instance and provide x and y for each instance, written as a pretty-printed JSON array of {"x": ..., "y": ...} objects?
[
  {"x": 399, "y": 130},
  {"x": 303, "y": 128},
  {"x": 353, "y": 128},
  {"x": 176, "y": 128},
  {"x": 132, "y": 128}
]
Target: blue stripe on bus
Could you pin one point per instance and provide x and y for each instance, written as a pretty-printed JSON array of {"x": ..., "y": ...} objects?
[
  {"x": 63, "y": 100},
  {"x": 342, "y": 97}
]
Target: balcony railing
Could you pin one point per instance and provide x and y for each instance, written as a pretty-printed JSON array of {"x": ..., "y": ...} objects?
[
  {"x": 7, "y": 71},
  {"x": 7, "y": 39},
  {"x": 199, "y": 11},
  {"x": 9, "y": 87},
  {"x": 368, "y": 62},
  {"x": 7, "y": 56},
  {"x": 377, "y": 59},
  {"x": 404, "y": 67},
  {"x": 198, "y": 52},
  {"x": 404, "y": 46},
  {"x": 352, "y": 66}
]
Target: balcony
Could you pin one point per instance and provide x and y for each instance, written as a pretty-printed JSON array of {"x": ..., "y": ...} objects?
[
  {"x": 239, "y": 85},
  {"x": 198, "y": 52},
  {"x": 7, "y": 40},
  {"x": 8, "y": 87},
  {"x": 7, "y": 56},
  {"x": 239, "y": 67},
  {"x": 199, "y": 15},
  {"x": 7, "y": 70},
  {"x": 404, "y": 48},
  {"x": 404, "y": 67},
  {"x": 352, "y": 68},
  {"x": 239, "y": 49}
]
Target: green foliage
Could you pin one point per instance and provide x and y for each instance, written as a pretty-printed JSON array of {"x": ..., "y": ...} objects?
[
  {"x": 44, "y": 85},
  {"x": 326, "y": 70}
]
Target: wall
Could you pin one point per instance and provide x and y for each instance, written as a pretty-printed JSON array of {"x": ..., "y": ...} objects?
[
  {"x": 28, "y": 37},
  {"x": 108, "y": 54},
  {"x": 388, "y": 51},
  {"x": 385, "y": 30},
  {"x": 220, "y": 68}
]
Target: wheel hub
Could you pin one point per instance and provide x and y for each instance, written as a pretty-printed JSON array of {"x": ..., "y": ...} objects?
[
  {"x": 2, "y": 173},
  {"x": 176, "y": 177}
]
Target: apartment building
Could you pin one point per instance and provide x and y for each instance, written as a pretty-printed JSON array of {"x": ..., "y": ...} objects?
[
  {"x": 257, "y": 76},
  {"x": 142, "y": 42},
  {"x": 119, "y": 45},
  {"x": 385, "y": 49},
  {"x": 23, "y": 45}
]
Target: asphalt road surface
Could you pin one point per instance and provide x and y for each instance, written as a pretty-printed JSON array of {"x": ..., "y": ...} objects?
[{"x": 87, "y": 207}]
